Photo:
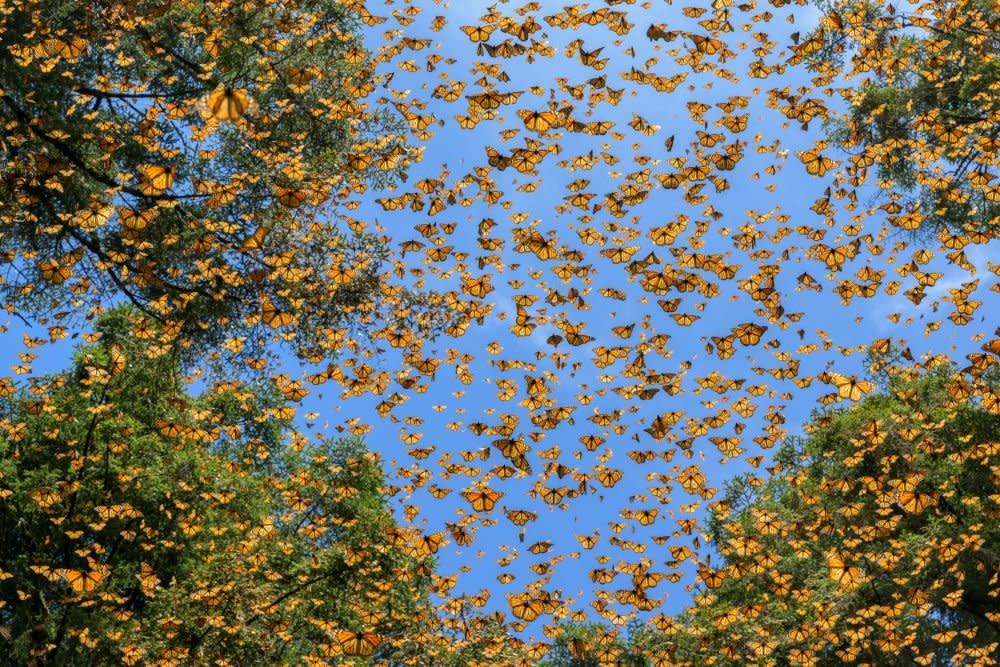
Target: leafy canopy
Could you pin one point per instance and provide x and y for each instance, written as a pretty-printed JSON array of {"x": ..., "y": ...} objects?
[
  {"x": 924, "y": 102},
  {"x": 141, "y": 523},
  {"x": 876, "y": 540},
  {"x": 188, "y": 157}
]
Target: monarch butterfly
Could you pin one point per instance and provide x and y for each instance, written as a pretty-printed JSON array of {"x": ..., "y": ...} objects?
[
  {"x": 553, "y": 495},
  {"x": 538, "y": 121},
  {"x": 646, "y": 517},
  {"x": 299, "y": 79},
  {"x": 294, "y": 392},
  {"x": 727, "y": 161},
  {"x": 169, "y": 429},
  {"x": 712, "y": 578},
  {"x": 84, "y": 582},
  {"x": 543, "y": 248},
  {"x": 290, "y": 197},
  {"x": 525, "y": 161},
  {"x": 749, "y": 333},
  {"x": 274, "y": 318},
  {"x": 851, "y": 389},
  {"x": 477, "y": 287},
  {"x": 256, "y": 240},
  {"x": 599, "y": 127},
  {"x": 816, "y": 164},
  {"x": 118, "y": 359},
  {"x": 94, "y": 217},
  {"x": 573, "y": 337},
  {"x": 847, "y": 576},
  {"x": 399, "y": 338},
  {"x": 620, "y": 255},
  {"x": 459, "y": 534},
  {"x": 466, "y": 122},
  {"x": 358, "y": 644},
  {"x": 55, "y": 272},
  {"x": 685, "y": 319},
  {"x": 696, "y": 172},
  {"x": 526, "y": 608},
  {"x": 483, "y": 500},
  {"x": 155, "y": 179},
  {"x": 707, "y": 45},
  {"x": 948, "y": 134},
  {"x": 728, "y": 446},
  {"x": 429, "y": 544},
  {"x": 520, "y": 517},
  {"x": 226, "y": 104},
  {"x": 589, "y": 58},
  {"x": 578, "y": 648},
  {"x": 136, "y": 220},
  {"x": 912, "y": 501},
  {"x": 358, "y": 162},
  {"x": 45, "y": 497},
  {"x": 692, "y": 479},
  {"x": 609, "y": 477},
  {"x": 496, "y": 159},
  {"x": 70, "y": 50},
  {"x": 148, "y": 580},
  {"x": 477, "y": 33}
]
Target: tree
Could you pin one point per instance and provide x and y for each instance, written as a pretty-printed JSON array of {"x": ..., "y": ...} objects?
[
  {"x": 140, "y": 523},
  {"x": 187, "y": 157},
  {"x": 465, "y": 637},
  {"x": 876, "y": 541},
  {"x": 923, "y": 99},
  {"x": 596, "y": 645}
]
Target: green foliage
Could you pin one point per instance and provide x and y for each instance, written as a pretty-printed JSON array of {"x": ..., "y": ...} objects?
[
  {"x": 878, "y": 540},
  {"x": 592, "y": 645},
  {"x": 207, "y": 529},
  {"x": 923, "y": 101},
  {"x": 124, "y": 178}
]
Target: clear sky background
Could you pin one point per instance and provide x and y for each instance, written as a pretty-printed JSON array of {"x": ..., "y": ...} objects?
[{"x": 441, "y": 414}]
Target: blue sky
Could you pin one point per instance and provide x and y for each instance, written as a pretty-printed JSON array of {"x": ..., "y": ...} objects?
[{"x": 776, "y": 204}]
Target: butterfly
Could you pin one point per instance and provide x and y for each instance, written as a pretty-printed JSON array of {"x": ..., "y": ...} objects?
[
  {"x": 274, "y": 318},
  {"x": 911, "y": 500},
  {"x": 69, "y": 50},
  {"x": 118, "y": 359},
  {"x": 483, "y": 500},
  {"x": 851, "y": 388},
  {"x": 226, "y": 104},
  {"x": 94, "y": 217},
  {"x": 155, "y": 179},
  {"x": 538, "y": 121},
  {"x": 728, "y": 446},
  {"x": 477, "y": 33},
  {"x": 148, "y": 580},
  {"x": 84, "y": 581},
  {"x": 55, "y": 272},
  {"x": 816, "y": 164},
  {"x": 136, "y": 220},
  {"x": 590, "y": 58},
  {"x": 429, "y": 544},
  {"x": 170, "y": 429},
  {"x": 299, "y": 79},
  {"x": 290, "y": 197},
  {"x": 526, "y": 607},
  {"x": 359, "y": 644},
  {"x": 749, "y": 333},
  {"x": 712, "y": 578},
  {"x": 847, "y": 576}
]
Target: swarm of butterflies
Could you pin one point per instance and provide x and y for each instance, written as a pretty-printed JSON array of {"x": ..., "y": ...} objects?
[{"x": 654, "y": 258}]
